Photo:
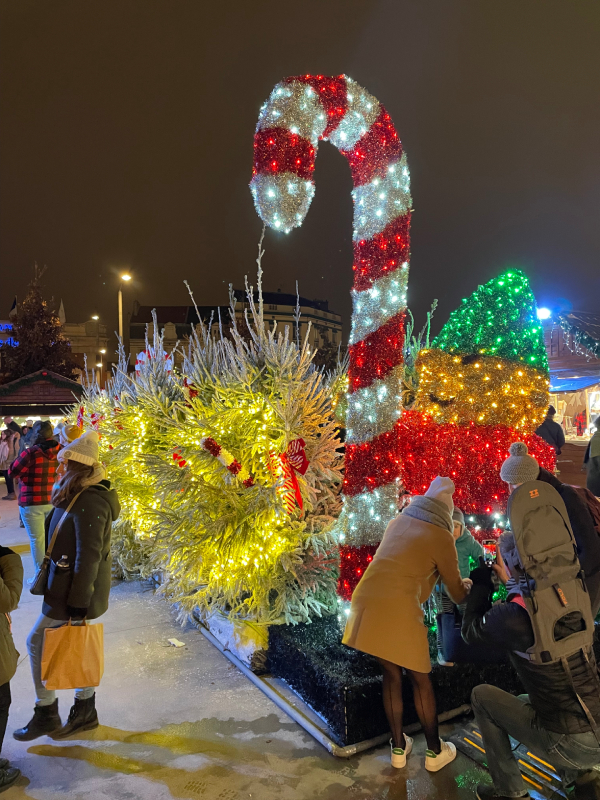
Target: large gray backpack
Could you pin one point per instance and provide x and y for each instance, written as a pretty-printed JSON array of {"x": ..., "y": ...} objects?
[{"x": 551, "y": 580}]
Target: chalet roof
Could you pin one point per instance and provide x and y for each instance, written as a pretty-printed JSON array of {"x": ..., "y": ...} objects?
[
  {"x": 44, "y": 376},
  {"x": 586, "y": 322},
  {"x": 584, "y": 329},
  {"x": 41, "y": 392}
]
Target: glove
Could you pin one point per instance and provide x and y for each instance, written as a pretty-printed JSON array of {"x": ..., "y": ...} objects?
[
  {"x": 482, "y": 575},
  {"x": 76, "y": 613}
]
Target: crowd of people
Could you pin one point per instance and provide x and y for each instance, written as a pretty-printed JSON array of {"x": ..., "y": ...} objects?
[
  {"x": 64, "y": 497},
  {"x": 559, "y": 717}
]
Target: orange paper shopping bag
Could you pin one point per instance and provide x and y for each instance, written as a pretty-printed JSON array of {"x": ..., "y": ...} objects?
[{"x": 73, "y": 656}]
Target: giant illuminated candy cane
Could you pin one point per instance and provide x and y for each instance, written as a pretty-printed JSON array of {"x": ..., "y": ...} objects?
[{"x": 300, "y": 112}]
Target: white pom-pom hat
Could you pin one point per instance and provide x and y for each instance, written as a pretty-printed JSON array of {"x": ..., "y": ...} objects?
[
  {"x": 84, "y": 450},
  {"x": 519, "y": 467}
]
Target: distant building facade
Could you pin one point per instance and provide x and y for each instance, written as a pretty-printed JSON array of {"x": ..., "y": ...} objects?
[
  {"x": 89, "y": 343},
  {"x": 178, "y": 322},
  {"x": 280, "y": 308}
]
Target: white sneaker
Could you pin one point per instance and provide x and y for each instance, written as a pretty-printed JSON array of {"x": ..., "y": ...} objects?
[
  {"x": 435, "y": 762},
  {"x": 399, "y": 755},
  {"x": 442, "y": 662}
]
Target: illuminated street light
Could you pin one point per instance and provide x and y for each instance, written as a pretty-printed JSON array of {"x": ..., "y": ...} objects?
[
  {"x": 125, "y": 277},
  {"x": 544, "y": 313}
]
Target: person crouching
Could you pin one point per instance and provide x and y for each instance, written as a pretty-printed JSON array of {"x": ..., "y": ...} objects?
[{"x": 84, "y": 540}]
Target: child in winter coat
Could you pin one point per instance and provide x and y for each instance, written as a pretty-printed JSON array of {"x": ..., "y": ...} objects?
[{"x": 467, "y": 548}]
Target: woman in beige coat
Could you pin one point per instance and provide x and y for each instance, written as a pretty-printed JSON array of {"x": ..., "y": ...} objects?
[{"x": 386, "y": 617}]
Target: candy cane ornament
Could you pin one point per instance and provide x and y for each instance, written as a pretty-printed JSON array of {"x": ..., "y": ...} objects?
[{"x": 300, "y": 112}]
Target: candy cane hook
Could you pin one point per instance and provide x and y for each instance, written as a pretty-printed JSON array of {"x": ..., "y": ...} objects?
[{"x": 300, "y": 112}]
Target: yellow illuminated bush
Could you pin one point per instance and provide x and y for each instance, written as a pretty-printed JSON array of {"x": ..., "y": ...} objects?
[{"x": 218, "y": 544}]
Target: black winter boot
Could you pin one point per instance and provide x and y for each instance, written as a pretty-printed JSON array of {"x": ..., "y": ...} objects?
[
  {"x": 45, "y": 720},
  {"x": 82, "y": 717},
  {"x": 8, "y": 777}
]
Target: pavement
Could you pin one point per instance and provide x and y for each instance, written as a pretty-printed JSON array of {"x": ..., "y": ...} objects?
[{"x": 184, "y": 723}]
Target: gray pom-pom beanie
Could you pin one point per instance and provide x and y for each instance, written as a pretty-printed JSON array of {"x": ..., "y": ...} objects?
[{"x": 519, "y": 467}]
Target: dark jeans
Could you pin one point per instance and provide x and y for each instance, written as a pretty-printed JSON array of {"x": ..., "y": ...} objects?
[
  {"x": 4, "y": 706},
  {"x": 10, "y": 484},
  {"x": 500, "y": 714}
]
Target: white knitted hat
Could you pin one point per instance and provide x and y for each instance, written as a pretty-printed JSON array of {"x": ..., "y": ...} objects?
[
  {"x": 519, "y": 467},
  {"x": 84, "y": 449},
  {"x": 442, "y": 489}
]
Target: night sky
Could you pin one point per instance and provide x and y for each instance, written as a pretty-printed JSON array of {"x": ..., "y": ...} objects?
[{"x": 126, "y": 141}]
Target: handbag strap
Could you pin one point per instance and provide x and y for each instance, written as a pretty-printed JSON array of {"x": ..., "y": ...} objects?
[{"x": 59, "y": 523}]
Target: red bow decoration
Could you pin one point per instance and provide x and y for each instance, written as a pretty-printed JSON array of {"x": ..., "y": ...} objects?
[
  {"x": 80, "y": 415},
  {"x": 284, "y": 467},
  {"x": 96, "y": 419},
  {"x": 190, "y": 389}
]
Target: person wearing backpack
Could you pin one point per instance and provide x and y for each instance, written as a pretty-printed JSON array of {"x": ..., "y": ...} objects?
[
  {"x": 592, "y": 461},
  {"x": 521, "y": 467},
  {"x": 546, "y": 627},
  {"x": 80, "y": 589}
]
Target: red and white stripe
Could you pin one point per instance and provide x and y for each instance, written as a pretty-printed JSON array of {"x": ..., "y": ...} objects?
[{"x": 300, "y": 112}]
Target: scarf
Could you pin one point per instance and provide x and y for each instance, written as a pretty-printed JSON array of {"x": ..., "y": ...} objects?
[
  {"x": 429, "y": 510},
  {"x": 99, "y": 474}
]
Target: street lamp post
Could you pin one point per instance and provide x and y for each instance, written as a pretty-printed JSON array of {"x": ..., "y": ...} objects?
[
  {"x": 100, "y": 364},
  {"x": 96, "y": 319},
  {"x": 125, "y": 277}
]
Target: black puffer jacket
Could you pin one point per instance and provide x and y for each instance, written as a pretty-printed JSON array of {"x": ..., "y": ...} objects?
[
  {"x": 584, "y": 531},
  {"x": 84, "y": 538},
  {"x": 552, "y": 433},
  {"x": 551, "y": 694}
]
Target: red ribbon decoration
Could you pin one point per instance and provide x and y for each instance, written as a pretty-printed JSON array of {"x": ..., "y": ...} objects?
[
  {"x": 293, "y": 460},
  {"x": 96, "y": 419}
]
